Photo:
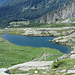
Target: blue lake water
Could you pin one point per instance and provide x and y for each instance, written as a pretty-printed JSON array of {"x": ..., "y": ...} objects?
[{"x": 35, "y": 42}]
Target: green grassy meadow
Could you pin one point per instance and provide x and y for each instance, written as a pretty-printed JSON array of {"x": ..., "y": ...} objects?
[{"x": 11, "y": 54}]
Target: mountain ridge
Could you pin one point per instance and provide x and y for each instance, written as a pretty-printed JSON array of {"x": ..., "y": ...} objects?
[{"x": 28, "y": 9}]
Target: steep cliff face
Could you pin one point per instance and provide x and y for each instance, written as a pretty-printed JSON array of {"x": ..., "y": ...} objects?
[{"x": 65, "y": 12}]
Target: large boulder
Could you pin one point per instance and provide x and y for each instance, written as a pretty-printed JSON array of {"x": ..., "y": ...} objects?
[
  {"x": 4, "y": 71},
  {"x": 72, "y": 56}
]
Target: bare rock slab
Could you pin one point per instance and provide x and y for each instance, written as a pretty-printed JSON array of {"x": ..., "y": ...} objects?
[
  {"x": 33, "y": 65},
  {"x": 71, "y": 71},
  {"x": 72, "y": 56}
]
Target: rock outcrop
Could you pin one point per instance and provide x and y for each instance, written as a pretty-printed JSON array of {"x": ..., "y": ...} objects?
[
  {"x": 48, "y": 31},
  {"x": 33, "y": 65},
  {"x": 43, "y": 65}
]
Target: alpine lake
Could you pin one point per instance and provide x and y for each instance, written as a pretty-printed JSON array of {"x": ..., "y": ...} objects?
[{"x": 35, "y": 42}]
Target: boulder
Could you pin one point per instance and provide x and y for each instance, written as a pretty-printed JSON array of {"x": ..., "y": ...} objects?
[
  {"x": 63, "y": 57},
  {"x": 72, "y": 52},
  {"x": 36, "y": 72},
  {"x": 72, "y": 56},
  {"x": 63, "y": 71},
  {"x": 71, "y": 71}
]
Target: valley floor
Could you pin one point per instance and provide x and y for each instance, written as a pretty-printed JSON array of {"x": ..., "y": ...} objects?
[{"x": 62, "y": 65}]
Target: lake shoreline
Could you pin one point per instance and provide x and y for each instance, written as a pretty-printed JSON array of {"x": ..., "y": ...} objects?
[
  {"x": 58, "y": 40},
  {"x": 53, "y": 31}
]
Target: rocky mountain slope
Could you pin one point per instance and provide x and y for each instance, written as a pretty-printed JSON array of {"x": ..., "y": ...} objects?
[
  {"x": 14, "y": 10},
  {"x": 62, "y": 13}
]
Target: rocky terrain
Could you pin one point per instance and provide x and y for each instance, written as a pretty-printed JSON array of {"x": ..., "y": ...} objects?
[
  {"x": 62, "y": 13},
  {"x": 48, "y": 31},
  {"x": 66, "y": 36},
  {"x": 53, "y": 12},
  {"x": 40, "y": 10},
  {"x": 45, "y": 65}
]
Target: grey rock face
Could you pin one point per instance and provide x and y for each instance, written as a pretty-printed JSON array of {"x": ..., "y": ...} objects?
[{"x": 65, "y": 12}]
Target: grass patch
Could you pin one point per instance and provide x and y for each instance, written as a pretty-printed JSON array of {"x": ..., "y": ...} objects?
[
  {"x": 16, "y": 31},
  {"x": 72, "y": 19},
  {"x": 16, "y": 71},
  {"x": 64, "y": 64},
  {"x": 32, "y": 71},
  {"x": 26, "y": 24},
  {"x": 2, "y": 31},
  {"x": 57, "y": 67},
  {"x": 56, "y": 25},
  {"x": 70, "y": 74}
]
